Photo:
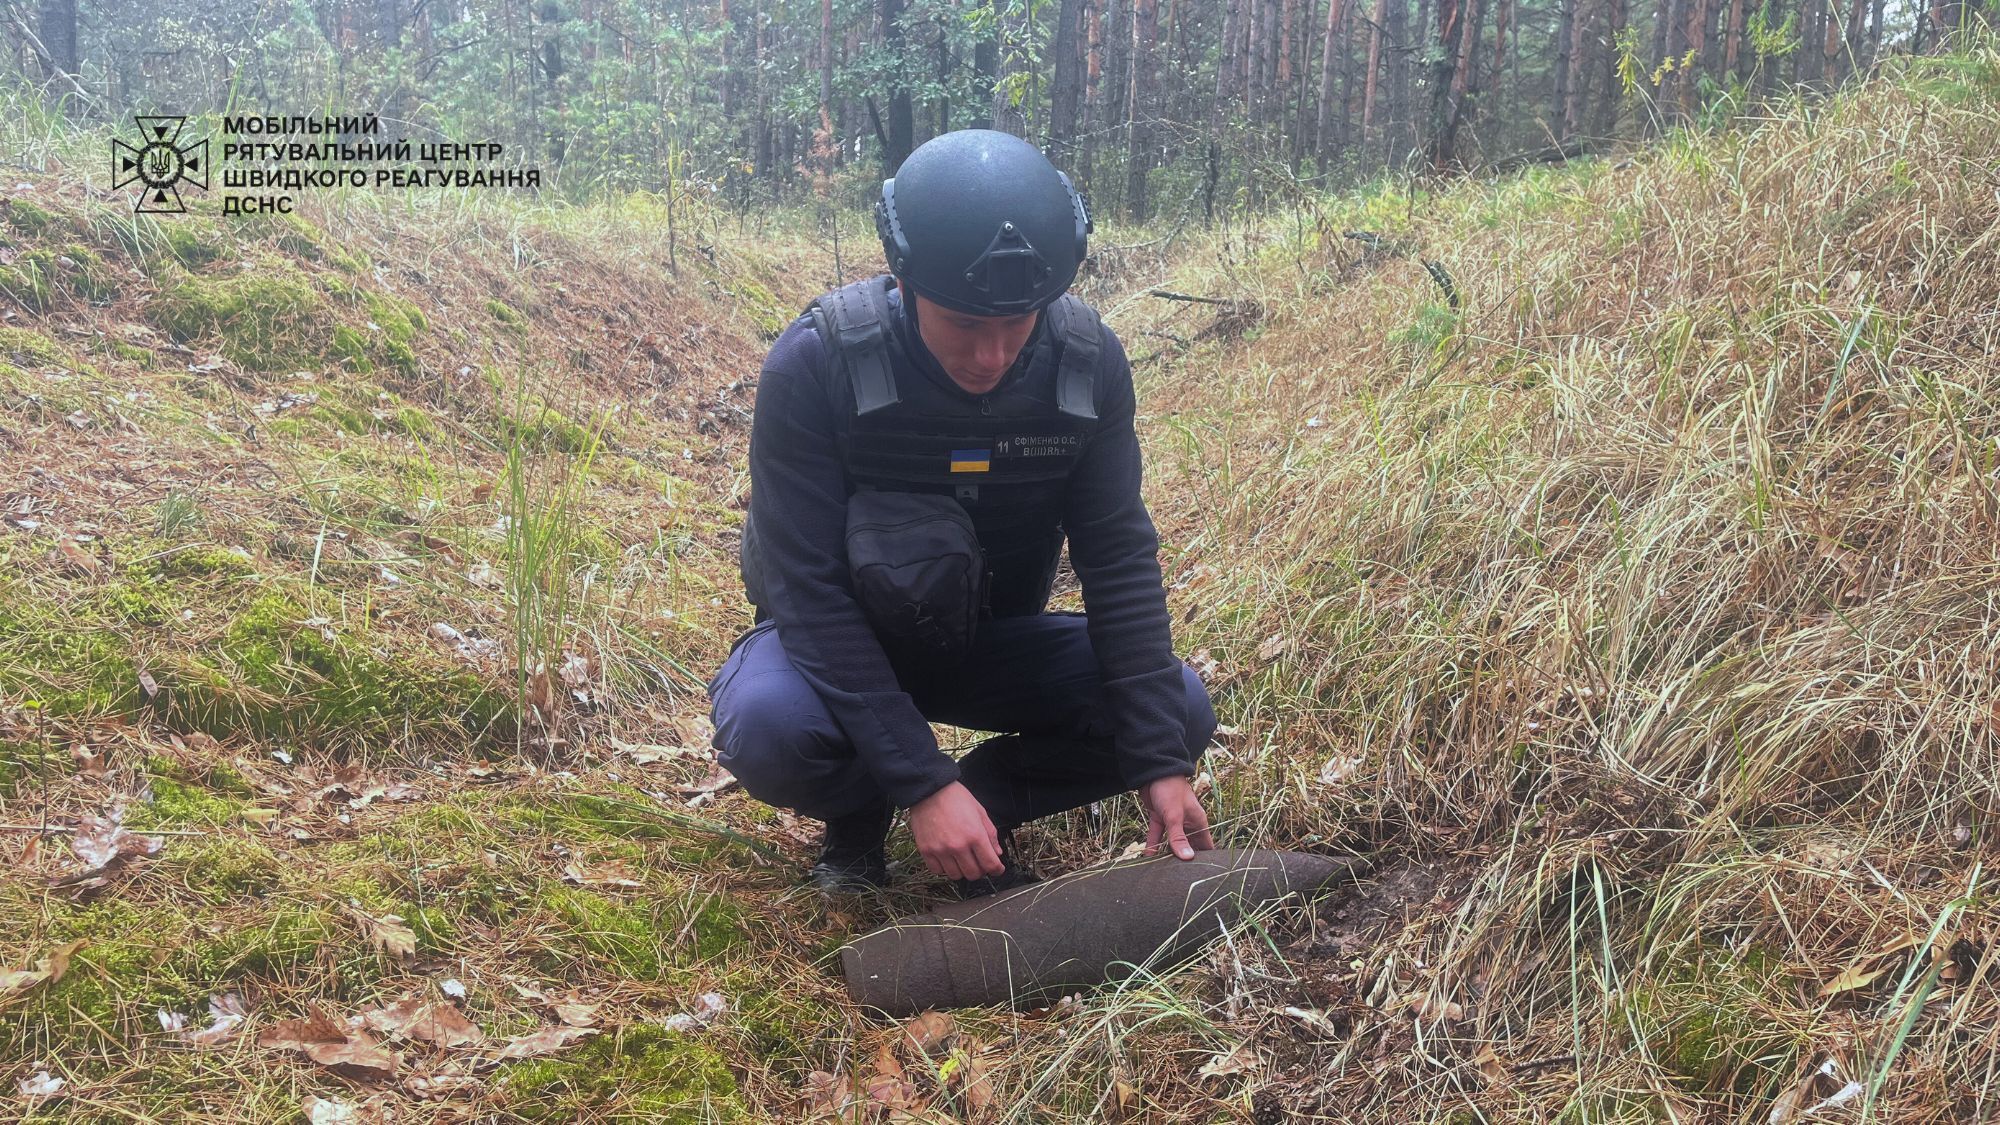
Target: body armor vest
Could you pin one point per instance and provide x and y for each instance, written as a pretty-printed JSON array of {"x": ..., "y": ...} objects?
[{"x": 1005, "y": 457}]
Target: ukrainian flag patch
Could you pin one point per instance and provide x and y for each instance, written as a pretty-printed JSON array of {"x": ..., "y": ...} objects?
[{"x": 971, "y": 460}]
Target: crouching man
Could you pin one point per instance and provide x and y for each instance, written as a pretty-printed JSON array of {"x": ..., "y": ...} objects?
[{"x": 923, "y": 443}]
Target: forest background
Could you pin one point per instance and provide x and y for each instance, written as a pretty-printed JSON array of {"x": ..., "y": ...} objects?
[{"x": 1157, "y": 107}]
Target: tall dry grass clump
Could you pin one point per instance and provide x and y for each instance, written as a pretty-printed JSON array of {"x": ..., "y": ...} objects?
[{"x": 1646, "y": 604}]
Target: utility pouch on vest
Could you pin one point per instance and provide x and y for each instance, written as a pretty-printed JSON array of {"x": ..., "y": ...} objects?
[{"x": 919, "y": 573}]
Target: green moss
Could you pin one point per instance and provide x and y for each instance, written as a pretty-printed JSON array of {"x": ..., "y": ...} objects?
[
  {"x": 766, "y": 312},
  {"x": 29, "y": 347},
  {"x": 37, "y": 277},
  {"x": 200, "y": 562},
  {"x": 640, "y": 1073},
  {"x": 69, "y": 668},
  {"x": 221, "y": 867},
  {"x": 619, "y": 815},
  {"x": 1708, "y": 1023},
  {"x": 545, "y": 429},
  {"x": 190, "y": 243},
  {"x": 140, "y": 959},
  {"x": 27, "y": 218},
  {"x": 352, "y": 348},
  {"x": 507, "y": 315},
  {"x": 400, "y": 356},
  {"x": 632, "y": 939},
  {"x": 396, "y": 318},
  {"x": 299, "y": 237},
  {"x": 718, "y": 928},
  {"x": 219, "y": 776},
  {"x": 344, "y": 417},
  {"x": 131, "y": 353},
  {"x": 300, "y": 682},
  {"x": 414, "y": 422},
  {"x": 289, "y": 937},
  {"x": 117, "y": 981},
  {"x": 178, "y": 805},
  {"x": 28, "y": 281},
  {"x": 263, "y": 322},
  {"x": 1435, "y": 325}
]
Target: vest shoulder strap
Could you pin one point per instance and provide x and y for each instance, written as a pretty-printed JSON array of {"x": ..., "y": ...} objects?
[
  {"x": 853, "y": 321},
  {"x": 1077, "y": 328}
]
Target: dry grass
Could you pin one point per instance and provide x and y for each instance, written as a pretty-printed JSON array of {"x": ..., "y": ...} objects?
[
  {"x": 1639, "y": 615},
  {"x": 1651, "y": 595}
]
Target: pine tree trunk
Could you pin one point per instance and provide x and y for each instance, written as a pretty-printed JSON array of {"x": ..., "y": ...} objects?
[
  {"x": 1139, "y": 109},
  {"x": 1065, "y": 87},
  {"x": 1370, "y": 84},
  {"x": 1565, "y": 48},
  {"x": 1399, "y": 137},
  {"x": 1329, "y": 54},
  {"x": 55, "y": 26},
  {"x": 1695, "y": 44},
  {"x": 1270, "y": 95},
  {"x": 1611, "y": 89},
  {"x": 1093, "y": 85},
  {"x": 900, "y": 135},
  {"x": 1732, "y": 44}
]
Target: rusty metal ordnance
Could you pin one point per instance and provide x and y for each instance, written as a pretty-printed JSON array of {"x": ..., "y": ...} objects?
[{"x": 1037, "y": 942}]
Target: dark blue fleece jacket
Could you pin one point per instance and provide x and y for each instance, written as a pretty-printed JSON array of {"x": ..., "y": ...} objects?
[{"x": 798, "y": 509}]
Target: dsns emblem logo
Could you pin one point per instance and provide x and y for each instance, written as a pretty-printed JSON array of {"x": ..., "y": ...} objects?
[{"x": 161, "y": 163}]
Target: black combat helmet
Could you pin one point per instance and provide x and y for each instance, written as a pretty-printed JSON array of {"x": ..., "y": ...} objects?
[{"x": 980, "y": 221}]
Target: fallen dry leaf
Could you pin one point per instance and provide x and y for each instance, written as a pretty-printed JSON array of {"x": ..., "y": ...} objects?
[
  {"x": 575, "y": 1013},
  {"x": 1851, "y": 978},
  {"x": 1338, "y": 769},
  {"x": 716, "y": 781},
  {"x": 389, "y": 933},
  {"x": 89, "y": 761},
  {"x": 325, "y": 1041},
  {"x": 1273, "y": 647},
  {"x": 601, "y": 875},
  {"x": 1238, "y": 1060},
  {"x": 75, "y": 556},
  {"x": 886, "y": 1062},
  {"x": 40, "y": 1084},
  {"x": 431, "y": 1087},
  {"x": 1488, "y": 1062},
  {"x": 1429, "y": 1007},
  {"x": 447, "y": 1027},
  {"x": 101, "y": 842},
  {"x": 544, "y": 1042},
  {"x": 707, "y": 1008},
  {"x": 1124, "y": 1094},
  {"x": 973, "y": 1086},
  {"x": 828, "y": 1095},
  {"x": 413, "y": 1018},
  {"x": 225, "y": 1018},
  {"x": 50, "y": 969},
  {"x": 930, "y": 1033},
  {"x": 890, "y": 1092},
  {"x": 328, "y": 1111},
  {"x": 1315, "y": 1019}
]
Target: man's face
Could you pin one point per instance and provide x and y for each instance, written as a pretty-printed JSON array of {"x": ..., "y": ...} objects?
[{"x": 974, "y": 350}]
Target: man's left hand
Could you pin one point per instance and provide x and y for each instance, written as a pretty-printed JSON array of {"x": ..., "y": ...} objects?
[{"x": 1174, "y": 816}]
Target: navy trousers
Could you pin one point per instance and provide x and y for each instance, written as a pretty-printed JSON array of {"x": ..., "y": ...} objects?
[{"x": 1034, "y": 678}]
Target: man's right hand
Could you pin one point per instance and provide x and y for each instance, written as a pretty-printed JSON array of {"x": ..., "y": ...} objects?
[{"x": 954, "y": 834}]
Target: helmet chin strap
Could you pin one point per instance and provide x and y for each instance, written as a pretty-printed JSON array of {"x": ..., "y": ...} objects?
[{"x": 916, "y": 335}]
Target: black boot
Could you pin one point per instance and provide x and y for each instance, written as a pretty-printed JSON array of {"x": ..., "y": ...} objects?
[
  {"x": 1015, "y": 875},
  {"x": 853, "y": 856}
]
